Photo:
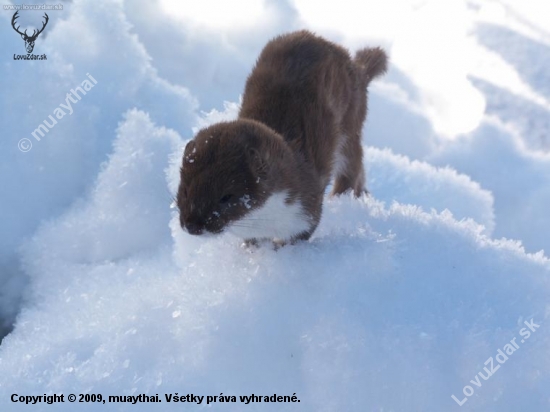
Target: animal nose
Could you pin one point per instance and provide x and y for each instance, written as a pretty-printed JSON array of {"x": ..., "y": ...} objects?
[{"x": 194, "y": 228}]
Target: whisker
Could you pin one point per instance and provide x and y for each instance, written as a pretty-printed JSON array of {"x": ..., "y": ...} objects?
[
  {"x": 172, "y": 198},
  {"x": 174, "y": 204},
  {"x": 251, "y": 221},
  {"x": 265, "y": 218},
  {"x": 245, "y": 226}
]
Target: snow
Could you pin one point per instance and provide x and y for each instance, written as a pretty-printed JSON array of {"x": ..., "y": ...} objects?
[{"x": 397, "y": 301}]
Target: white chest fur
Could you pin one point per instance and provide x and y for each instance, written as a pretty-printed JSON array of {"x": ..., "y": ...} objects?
[{"x": 275, "y": 219}]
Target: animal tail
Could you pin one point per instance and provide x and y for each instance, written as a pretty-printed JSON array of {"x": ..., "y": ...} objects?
[{"x": 371, "y": 63}]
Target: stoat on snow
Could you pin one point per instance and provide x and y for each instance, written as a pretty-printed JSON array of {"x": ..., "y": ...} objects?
[{"x": 263, "y": 176}]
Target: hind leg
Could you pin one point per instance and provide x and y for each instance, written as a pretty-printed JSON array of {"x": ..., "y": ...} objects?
[{"x": 349, "y": 172}]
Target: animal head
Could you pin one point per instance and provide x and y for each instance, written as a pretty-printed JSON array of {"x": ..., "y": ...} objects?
[
  {"x": 224, "y": 175},
  {"x": 29, "y": 40}
]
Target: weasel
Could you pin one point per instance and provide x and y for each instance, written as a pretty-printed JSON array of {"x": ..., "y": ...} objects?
[{"x": 263, "y": 176}]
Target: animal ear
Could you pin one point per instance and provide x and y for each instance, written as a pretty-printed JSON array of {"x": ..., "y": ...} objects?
[
  {"x": 189, "y": 153},
  {"x": 257, "y": 162},
  {"x": 189, "y": 148},
  {"x": 23, "y": 36}
]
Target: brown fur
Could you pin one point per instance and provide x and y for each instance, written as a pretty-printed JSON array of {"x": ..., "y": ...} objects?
[{"x": 300, "y": 124}]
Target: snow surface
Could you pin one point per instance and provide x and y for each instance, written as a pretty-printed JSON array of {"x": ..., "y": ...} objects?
[{"x": 396, "y": 302}]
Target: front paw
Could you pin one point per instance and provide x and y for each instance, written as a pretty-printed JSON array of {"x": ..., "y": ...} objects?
[{"x": 250, "y": 244}]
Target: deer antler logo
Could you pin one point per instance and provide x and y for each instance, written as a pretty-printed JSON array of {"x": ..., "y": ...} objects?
[{"x": 29, "y": 40}]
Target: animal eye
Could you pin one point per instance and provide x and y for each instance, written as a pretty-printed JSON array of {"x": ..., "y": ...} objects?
[{"x": 225, "y": 198}]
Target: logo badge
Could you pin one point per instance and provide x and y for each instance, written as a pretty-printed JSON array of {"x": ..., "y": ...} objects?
[{"x": 29, "y": 40}]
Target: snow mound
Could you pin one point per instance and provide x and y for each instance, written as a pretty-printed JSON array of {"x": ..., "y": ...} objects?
[
  {"x": 389, "y": 308},
  {"x": 40, "y": 184},
  {"x": 518, "y": 178},
  {"x": 396, "y": 178}
]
